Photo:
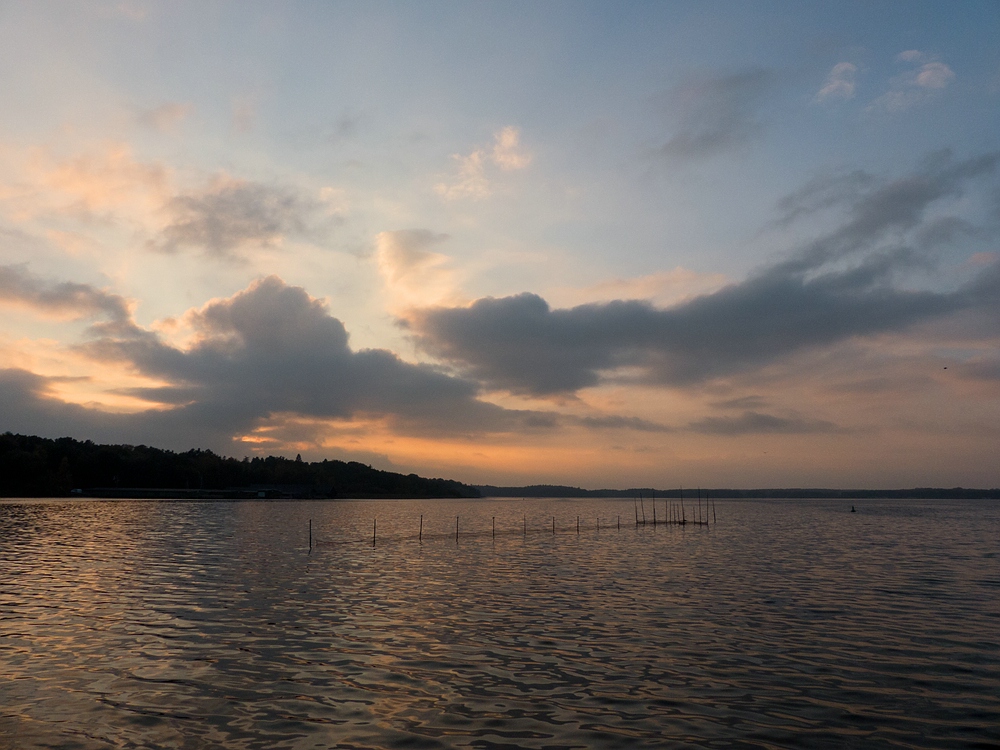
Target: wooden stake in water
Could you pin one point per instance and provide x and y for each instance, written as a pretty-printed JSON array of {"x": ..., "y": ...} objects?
[
  {"x": 526, "y": 525},
  {"x": 578, "y": 525},
  {"x": 420, "y": 535},
  {"x": 456, "y": 529},
  {"x": 643, "y": 507},
  {"x": 619, "y": 523},
  {"x": 374, "y": 527},
  {"x": 553, "y": 525},
  {"x": 310, "y": 533},
  {"x": 494, "y": 527},
  {"x": 714, "y": 519}
]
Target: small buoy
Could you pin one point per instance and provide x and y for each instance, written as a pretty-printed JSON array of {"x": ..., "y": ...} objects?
[{"x": 852, "y": 509}]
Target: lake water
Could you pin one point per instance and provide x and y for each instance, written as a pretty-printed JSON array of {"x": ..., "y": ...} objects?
[{"x": 788, "y": 624}]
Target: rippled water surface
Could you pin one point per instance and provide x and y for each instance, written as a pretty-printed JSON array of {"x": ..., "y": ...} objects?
[{"x": 212, "y": 625}]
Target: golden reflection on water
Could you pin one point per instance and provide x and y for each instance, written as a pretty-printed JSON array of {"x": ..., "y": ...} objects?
[{"x": 189, "y": 625}]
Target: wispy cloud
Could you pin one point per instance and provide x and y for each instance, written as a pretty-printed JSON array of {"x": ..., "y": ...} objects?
[
  {"x": 167, "y": 117},
  {"x": 839, "y": 83},
  {"x": 755, "y": 423},
  {"x": 231, "y": 216},
  {"x": 508, "y": 154},
  {"x": 473, "y": 180},
  {"x": 470, "y": 182},
  {"x": 413, "y": 274},
  {"x": 106, "y": 183},
  {"x": 922, "y": 83},
  {"x": 716, "y": 114}
]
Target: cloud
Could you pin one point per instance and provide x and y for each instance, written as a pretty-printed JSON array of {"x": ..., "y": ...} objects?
[
  {"x": 268, "y": 361},
  {"x": 820, "y": 193},
  {"x": 838, "y": 286},
  {"x": 717, "y": 114},
  {"x": 413, "y": 274},
  {"x": 934, "y": 75},
  {"x": 615, "y": 422},
  {"x": 917, "y": 86},
  {"x": 18, "y": 286},
  {"x": 167, "y": 117},
  {"x": 520, "y": 344},
  {"x": 741, "y": 402},
  {"x": 272, "y": 349},
  {"x": 28, "y": 406},
  {"x": 839, "y": 83},
  {"x": 473, "y": 181},
  {"x": 754, "y": 422},
  {"x": 105, "y": 184},
  {"x": 507, "y": 151},
  {"x": 231, "y": 216},
  {"x": 878, "y": 209}
]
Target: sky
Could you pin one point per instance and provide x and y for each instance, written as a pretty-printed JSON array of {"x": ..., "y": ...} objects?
[{"x": 726, "y": 244}]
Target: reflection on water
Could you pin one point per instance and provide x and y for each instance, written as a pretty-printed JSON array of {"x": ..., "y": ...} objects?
[{"x": 788, "y": 624}]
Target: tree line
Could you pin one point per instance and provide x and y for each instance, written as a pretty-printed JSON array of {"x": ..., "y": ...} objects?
[{"x": 32, "y": 466}]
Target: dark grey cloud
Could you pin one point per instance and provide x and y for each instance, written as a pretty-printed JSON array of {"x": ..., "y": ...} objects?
[
  {"x": 838, "y": 286},
  {"x": 715, "y": 114},
  {"x": 27, "y": 406},
  {"x": 231, "y": 216},
  {"x": 520, "y": 344},
  {"x": 616, "y": 422},
  {"x": 268, "y": 351},
  {"x": 753, "y": 422},
  {"x": 17, "y": 284},
  {"x": 273, "y": 349},
  {"x": 741, "y": 402}
]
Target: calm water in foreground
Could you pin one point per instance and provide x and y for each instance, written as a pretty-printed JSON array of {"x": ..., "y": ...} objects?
[{"x": 212, "y": 625}]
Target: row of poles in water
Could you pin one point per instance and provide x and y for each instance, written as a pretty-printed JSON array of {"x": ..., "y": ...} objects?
[
  {"x": 675, "y": 512},
  {"x": 675, "y": 515}
]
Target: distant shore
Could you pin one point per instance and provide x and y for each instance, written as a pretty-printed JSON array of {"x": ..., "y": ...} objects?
[{"x": 917, "y": 493}]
